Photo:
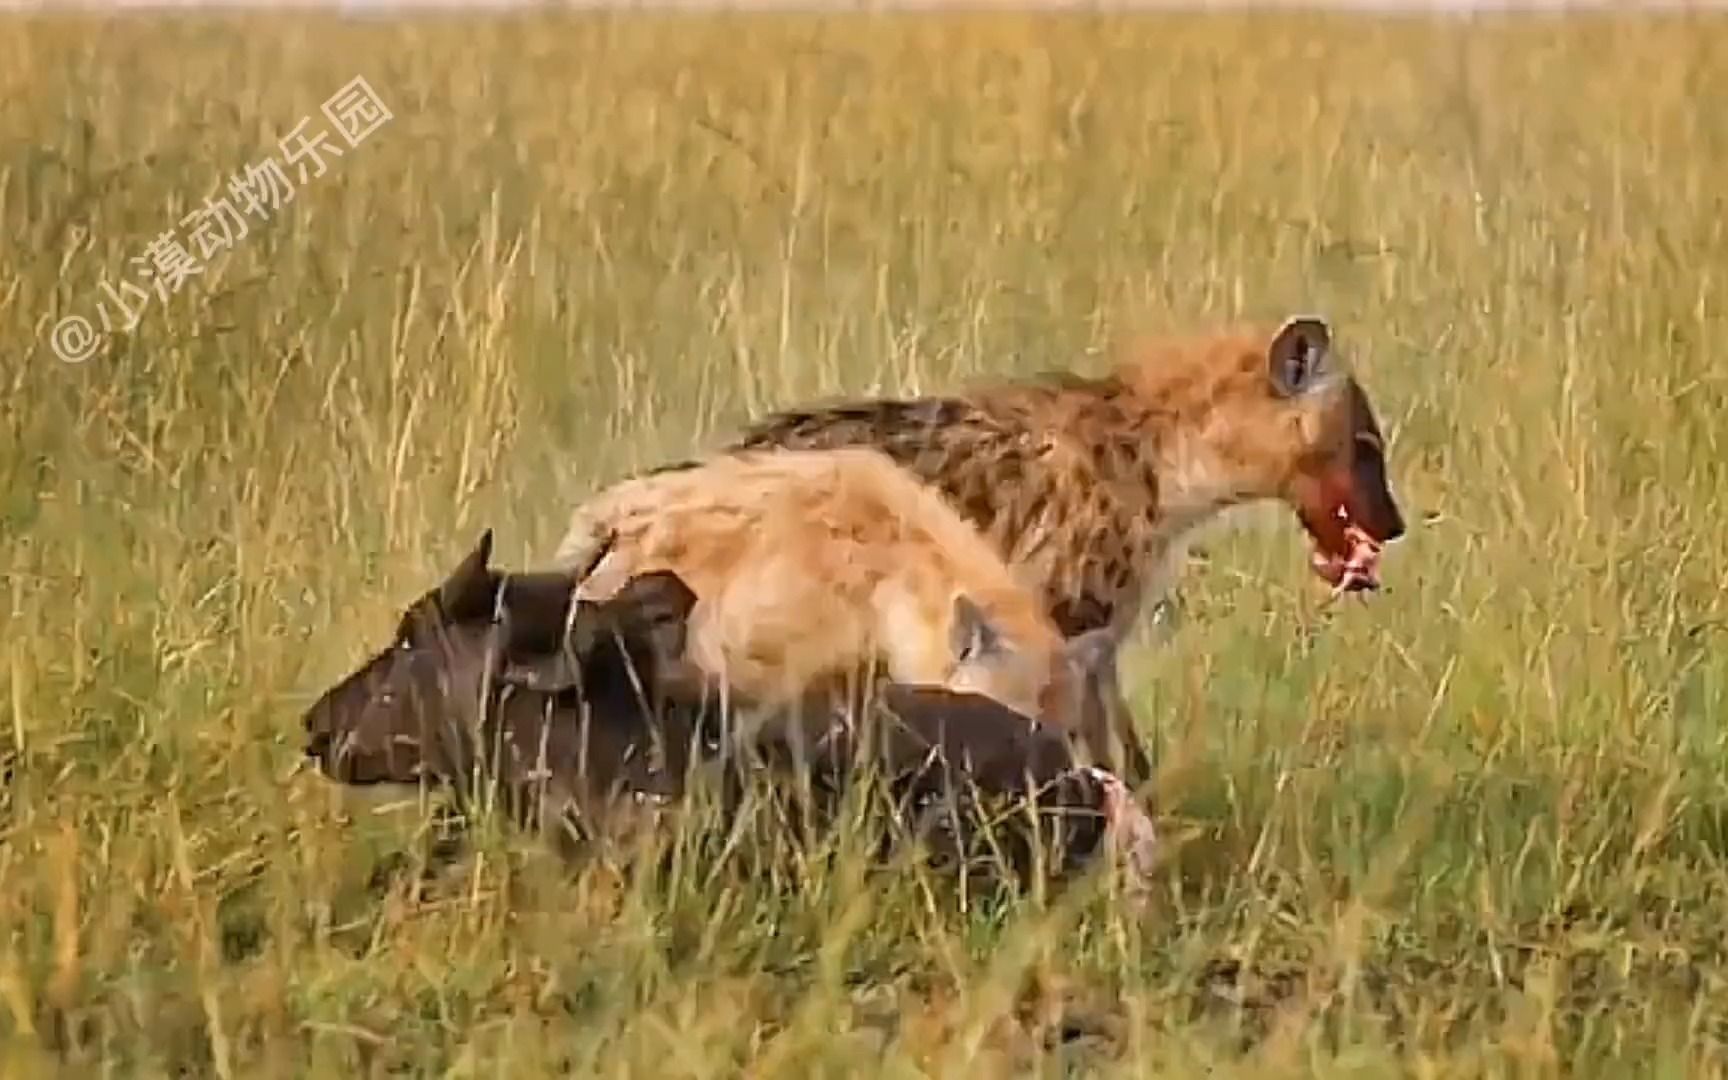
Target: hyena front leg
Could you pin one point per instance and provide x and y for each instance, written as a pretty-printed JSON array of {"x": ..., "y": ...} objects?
[{"x": 1106, "y": 721}]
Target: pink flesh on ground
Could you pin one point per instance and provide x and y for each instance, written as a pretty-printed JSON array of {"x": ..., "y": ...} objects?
[{"x": 1133, "y": 839}]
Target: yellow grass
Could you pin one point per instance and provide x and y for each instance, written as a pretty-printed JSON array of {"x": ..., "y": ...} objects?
[{"x": 1475, "y": 826}]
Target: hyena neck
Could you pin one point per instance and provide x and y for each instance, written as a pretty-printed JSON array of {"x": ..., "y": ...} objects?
[
  {"x": 1152, "y": 458},
  {"x": 1161, "y": 466},
  {"x": 1196, "y": 485}
]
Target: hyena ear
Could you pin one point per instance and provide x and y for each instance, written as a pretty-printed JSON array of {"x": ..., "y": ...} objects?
[
  {"x": 1298, "y": 353},
  {"x": 973, "y": 636}
]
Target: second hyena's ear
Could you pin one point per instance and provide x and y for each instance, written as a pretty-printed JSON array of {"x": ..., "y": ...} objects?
[
  {"x": 1299, "y": 353},
  {"x": 972, "y": 635}
]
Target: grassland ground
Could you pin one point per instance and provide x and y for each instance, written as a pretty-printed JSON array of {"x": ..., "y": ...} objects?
[{"x": 1474, "y": 826}]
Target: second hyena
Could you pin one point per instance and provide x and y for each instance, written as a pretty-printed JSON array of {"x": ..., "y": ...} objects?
[{"x": 810, "y": 567}]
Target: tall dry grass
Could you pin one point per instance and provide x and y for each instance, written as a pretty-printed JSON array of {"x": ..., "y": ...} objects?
[{"x": 1473, "y": 826}]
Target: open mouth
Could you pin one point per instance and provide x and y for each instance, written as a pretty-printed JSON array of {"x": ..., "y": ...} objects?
[
  {"x": 1347, "y": 507},
  {"x": 1346, "y": 555},
  {"x": 1352, "y": 566}
]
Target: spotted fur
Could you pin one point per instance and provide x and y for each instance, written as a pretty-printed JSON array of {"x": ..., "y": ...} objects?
[
  {"x": 1091, "y": 486},
  {"x": 1088, "y": 486}
]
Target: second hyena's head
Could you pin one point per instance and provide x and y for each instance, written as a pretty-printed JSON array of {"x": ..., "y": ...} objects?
[
  {"x": 1016, "y": 656},
  {"x": 1274, "y": 416}
]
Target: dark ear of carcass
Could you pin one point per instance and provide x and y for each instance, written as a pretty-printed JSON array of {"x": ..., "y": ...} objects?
[
  {"x": 471, "y": 589},
  {"x": 631, "y": 640},
  {"x": 510, "y": 673}
]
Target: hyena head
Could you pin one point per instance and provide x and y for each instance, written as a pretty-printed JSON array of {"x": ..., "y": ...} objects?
[
  {"x": 1260, "y": 417},
  {"x": 1034, "y": 670}
]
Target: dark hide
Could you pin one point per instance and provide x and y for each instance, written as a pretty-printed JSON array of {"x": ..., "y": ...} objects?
[
  {"x": 985, "y": 787},
  {"x": 478, "y": 692},
  {"x": 497, "y": 684}
]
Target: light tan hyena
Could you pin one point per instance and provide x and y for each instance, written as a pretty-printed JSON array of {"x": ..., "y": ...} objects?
[{"x": 810, "y": 567}]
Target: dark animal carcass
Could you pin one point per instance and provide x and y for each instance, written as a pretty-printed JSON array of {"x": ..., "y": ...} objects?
[{"x": 504, "y": 684}]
